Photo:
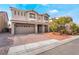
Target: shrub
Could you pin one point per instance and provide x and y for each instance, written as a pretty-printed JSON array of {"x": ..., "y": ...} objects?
[
  {"x": 54, "y": 27},
  {"x": 74, "y": 28}
]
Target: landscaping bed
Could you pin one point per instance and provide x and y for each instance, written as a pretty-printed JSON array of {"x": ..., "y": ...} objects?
[{"x": 57, "y": 36}]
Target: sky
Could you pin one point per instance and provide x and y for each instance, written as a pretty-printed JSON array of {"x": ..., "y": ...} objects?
[{"x": 54, "y": 10}]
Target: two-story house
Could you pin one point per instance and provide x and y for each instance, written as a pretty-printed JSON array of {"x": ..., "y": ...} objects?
[{"x": 24, "y": 22}]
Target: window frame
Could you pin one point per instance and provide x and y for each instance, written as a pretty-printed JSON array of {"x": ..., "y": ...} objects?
[
  {"x": 32, "y": 15},
  {"x": 45, "y": 17},
  {"x": 21, "y": 13},
  {"x": 18, "y": 13}
]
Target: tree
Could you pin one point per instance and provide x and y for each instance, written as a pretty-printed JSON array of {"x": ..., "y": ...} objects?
[
  {"x": 64, "y": 20},
  {"x": 54, "y": 27},
  {"x": 64, "y": 25}
]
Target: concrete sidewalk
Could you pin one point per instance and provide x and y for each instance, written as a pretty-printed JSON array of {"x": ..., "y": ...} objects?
[{"x": 38, "y": 47}]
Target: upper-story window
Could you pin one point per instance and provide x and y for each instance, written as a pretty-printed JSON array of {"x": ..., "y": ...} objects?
[
  {"x": 32, "y": 15},
  {"x": 24, "y": 14},
  {"x": 39, "y": 17},
  {"x": 14, "y": 12},
  {"x": 18, "y": 12},
  {"x": 45, "y": 18},
  {"x": 21, "y": 13}
]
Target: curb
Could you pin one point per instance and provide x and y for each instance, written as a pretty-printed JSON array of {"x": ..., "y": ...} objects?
[
  {"x": 38, "y": 47},
  {"x": 33, "y": 48},
  {"x": 70, "y": 39}
]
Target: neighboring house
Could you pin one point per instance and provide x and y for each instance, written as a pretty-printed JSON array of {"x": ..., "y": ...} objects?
[
  {"x": 24, "y": 22},
  {"x": 3, "y": 20}
]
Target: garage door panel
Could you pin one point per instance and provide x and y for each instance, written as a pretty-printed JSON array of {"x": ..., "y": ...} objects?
[{"x": 24, "y": 30}]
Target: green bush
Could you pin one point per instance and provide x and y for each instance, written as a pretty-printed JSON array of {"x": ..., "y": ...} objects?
[
  {"x": 54, "y": 27},
  {"x": 74, "y": 28}
]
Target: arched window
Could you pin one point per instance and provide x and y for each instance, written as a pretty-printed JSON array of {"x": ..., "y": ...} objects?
[{"x": 32, "y": 15}]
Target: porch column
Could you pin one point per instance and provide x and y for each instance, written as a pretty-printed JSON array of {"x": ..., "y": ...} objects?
[
  {"x": 48, "y": 28},
  {"x": 13, "y": 29},
  {"x": 43, "y": 28},
  {"x": 36, "y": 31}
]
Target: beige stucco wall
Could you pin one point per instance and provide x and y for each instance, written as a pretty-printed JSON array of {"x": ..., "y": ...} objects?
[
  {"x": 18, "y": 17},
  {"x": 1, "y": 23},
  {"x": 3, "y": 20}
]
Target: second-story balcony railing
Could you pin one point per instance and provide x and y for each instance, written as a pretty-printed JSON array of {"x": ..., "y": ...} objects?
[
  {"x": 27, "y": 20},
  {"x": 40, "y": 21}
]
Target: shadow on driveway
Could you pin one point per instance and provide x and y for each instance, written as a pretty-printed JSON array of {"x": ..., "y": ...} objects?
[{"x": 5, "y": 43}]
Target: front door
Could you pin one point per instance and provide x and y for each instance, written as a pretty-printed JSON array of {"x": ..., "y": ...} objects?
[
  {"x": 39, "y": 28},
  {"x": 46, "y": 28}
]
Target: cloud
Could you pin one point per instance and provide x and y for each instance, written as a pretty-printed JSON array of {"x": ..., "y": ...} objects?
[{"x": 53, "y": 11}]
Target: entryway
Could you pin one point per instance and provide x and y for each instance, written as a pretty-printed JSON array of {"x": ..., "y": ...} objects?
[
  {"x": 39, "y": 28},
  {"x": 46, "y": 28}
]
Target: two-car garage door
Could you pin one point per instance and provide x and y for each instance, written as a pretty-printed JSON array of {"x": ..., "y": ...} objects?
[{"x": 24, "y": 28}]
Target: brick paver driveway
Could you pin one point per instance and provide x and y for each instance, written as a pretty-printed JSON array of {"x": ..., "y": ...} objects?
[
  {"x": 71, "y": 48},
  {"x": 7, "y": 40},
  {"x": 31, "y": 38}
]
